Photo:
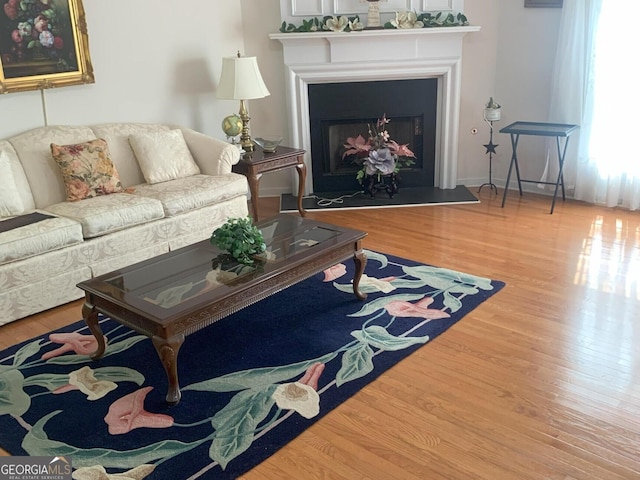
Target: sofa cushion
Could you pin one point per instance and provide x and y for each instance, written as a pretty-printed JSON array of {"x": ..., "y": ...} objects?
[
  {"x": 197, "y": 191},
  {"x": 163, "y": 156},
  {"x": 87, "y": 169},
  {"x": 34, "y": 150},
  {"x": 117, "y": 136},
  {"x": 10, "y": 201},
  {"x": 37, "y": 238},
  {"x": 109, "y": 213},
  {"x": 19, "y": 178}
]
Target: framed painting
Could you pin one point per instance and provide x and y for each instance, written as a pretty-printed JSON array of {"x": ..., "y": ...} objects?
[
  {"x": 543, "y": 3},
  {"x": 43, "y": 44}
]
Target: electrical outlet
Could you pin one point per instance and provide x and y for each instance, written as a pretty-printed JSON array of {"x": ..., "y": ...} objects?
[{"x": 474, "y": 131}]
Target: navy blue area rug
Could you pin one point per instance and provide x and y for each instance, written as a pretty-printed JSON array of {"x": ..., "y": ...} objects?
[{"x": 250, "y": 383}]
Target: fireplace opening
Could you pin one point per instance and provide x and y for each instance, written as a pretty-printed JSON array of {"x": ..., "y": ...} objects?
[{"x": 338, "y": 111}]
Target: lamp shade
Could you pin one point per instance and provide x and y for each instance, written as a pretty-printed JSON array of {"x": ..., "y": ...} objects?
[{"x": 241, "y": 79}]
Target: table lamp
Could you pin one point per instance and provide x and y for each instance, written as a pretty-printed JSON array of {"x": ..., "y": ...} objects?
[{"x": 241, "y": 80}]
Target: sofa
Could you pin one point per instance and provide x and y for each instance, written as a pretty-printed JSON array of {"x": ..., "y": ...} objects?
[{"x": 81, "y": 201}]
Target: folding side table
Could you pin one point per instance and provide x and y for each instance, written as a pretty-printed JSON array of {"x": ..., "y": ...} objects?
[{"x": 558, "y": 130}]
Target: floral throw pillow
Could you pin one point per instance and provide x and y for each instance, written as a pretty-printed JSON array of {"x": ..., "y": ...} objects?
[{"x": 87, "y": 169}]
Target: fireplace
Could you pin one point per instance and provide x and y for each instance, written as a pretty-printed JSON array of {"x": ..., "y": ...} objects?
[
  {"x": 377, "y": 56},
  {"x": 338, "y": 111}
]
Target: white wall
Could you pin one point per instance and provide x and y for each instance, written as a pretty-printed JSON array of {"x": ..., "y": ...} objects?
[
  {"x": 160, "y": 62},
  {"x": 526, "y": 48},
  {"x": 510, "y": 58},
  {"x": 153, "y": 62},
  {"x": 479, "y": 60},
  {"x": 268, "y": 115}
]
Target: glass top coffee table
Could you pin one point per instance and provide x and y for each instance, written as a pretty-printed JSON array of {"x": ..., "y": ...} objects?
[{"x": 179, "y": 293}]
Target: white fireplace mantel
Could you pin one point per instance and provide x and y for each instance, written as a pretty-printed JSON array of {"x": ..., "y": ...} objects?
[{"x": 377, "y": 55}]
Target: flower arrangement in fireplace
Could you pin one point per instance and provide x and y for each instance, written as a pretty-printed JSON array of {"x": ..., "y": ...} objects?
[{"x": 378, "y": 155}]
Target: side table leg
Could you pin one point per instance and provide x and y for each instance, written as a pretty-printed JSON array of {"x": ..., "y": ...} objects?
[
  {"x": 90, "y": 315},
  {"x": 360, "y": 260},
  {"x": 254, "y": 188},
  {"x": 560, "y": 179},
  {"x": 506, "y": 185},
  {"x": 514, "y": 161},
  {"x": 168, "y": 352},
  {"x": 301, "y": 168},
  {"x": 514, "y": 141}
]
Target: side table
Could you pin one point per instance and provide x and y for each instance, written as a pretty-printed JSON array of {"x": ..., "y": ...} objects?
[
  {"x": 558, "y": 130},
  {"x": 254, "y": 164}
]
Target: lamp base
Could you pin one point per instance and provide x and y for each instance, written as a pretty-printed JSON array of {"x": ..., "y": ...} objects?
[
  {"x": 245, "y": 138},
  {"x": 247, "y": 144}
]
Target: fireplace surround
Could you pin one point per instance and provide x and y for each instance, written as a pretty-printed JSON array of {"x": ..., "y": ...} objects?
[{"x": 377, "y": 55}]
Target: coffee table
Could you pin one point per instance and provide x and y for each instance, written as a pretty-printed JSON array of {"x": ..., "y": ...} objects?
[{"x": 179, "y": 293}]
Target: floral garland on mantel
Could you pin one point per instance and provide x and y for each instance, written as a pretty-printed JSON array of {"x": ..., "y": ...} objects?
[{"x": 403, "y": 20}]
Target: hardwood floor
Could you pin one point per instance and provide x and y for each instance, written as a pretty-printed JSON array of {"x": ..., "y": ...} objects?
[{"x": 542, "y": 381}]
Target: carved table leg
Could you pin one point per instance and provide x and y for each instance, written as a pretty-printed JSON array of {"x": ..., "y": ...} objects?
[
  {"x": 360, "y": 260},
  {"x": 168, "y": 352},
  {"x": 302, "y": 175},
  {"x": 90, "y": 315},
  {"x": 254, "y": 188}
]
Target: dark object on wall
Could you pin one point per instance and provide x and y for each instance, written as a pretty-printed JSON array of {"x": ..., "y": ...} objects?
[
  {"x": 43, "y": 45},
  {"x": 543, "y": 3}
]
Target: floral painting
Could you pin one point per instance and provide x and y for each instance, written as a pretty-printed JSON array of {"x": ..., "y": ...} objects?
[{"x": 43, "y": 43}]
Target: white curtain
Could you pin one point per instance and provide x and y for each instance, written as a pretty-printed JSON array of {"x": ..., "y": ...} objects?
[{"x": 593, "y": 86}]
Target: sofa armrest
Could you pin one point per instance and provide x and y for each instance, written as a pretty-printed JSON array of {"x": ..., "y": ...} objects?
[{"x": 213, "y": 156}]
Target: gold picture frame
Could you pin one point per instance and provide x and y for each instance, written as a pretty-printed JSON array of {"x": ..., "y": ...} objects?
[{"x": 43, "y": 44}]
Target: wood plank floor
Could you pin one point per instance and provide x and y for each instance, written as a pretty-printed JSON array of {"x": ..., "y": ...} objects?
[{"x": 540, "y": 382}]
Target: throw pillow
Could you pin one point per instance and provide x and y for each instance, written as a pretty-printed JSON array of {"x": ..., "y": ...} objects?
[
  {"x": 87, "y": 169},
  {"x": 163, "y": 156},
  {"x": 10, "y": 201}
]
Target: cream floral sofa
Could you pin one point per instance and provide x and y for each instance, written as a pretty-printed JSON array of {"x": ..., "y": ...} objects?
[{"x": 159, "y": 187}]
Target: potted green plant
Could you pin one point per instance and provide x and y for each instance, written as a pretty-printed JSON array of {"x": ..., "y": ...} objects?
[{"x": 240, "y": 238}]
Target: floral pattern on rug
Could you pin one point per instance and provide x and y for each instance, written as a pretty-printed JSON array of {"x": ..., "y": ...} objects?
[{"x": 259, "y": 399}]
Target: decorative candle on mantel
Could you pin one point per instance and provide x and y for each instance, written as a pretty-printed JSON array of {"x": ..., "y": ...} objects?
[{"x": 373, "y": 14}]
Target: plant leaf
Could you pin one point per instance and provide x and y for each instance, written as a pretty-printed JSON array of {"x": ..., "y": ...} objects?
[
  {"x": 50, "y": 381},
  {"x": 379, "y": 337},
  {"x": 378, "y": 257},
  {"x": 13, "y": 399},
  {"x": 380, "y": 303},
  {"x": 110, "y": 350},
  {"x": 237, "y": 422},
  {"x": 452, "y": 302},
  {"x": 443, "y": 278},
  {"x": 37, "y": 443},
  {"x": 357, "y": 362},
  {"x": 256, "y": 377},
  {"x": 25, "y": 352}
]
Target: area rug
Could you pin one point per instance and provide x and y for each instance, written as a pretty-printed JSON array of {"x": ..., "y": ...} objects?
[
  {"x": 406, "y": 197},
  {"x": 250, "y": 382}
]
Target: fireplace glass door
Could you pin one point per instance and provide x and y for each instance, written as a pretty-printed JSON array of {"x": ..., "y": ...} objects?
[{"x": 339, "y": 111}]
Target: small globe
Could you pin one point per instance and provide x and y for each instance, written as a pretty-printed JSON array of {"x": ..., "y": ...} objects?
[{"x": 232, "y": 125}]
